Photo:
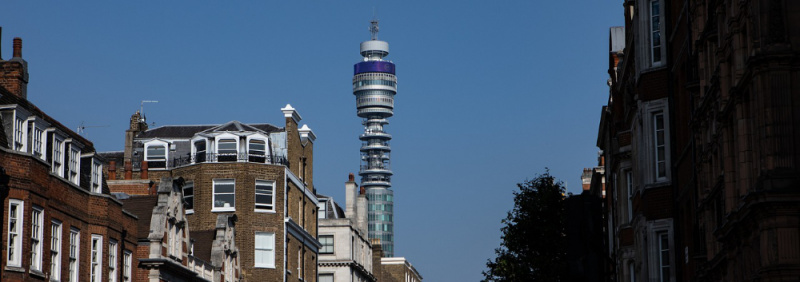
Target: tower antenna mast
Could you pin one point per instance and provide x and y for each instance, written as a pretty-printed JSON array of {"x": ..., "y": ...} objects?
[{"x": 373, "y": 28}]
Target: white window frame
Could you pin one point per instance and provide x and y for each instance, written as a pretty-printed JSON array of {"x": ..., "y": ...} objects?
[
  {"x": 265, "y": 246},
  {"x": 96, "y": 258},
  {"x": 658, "y": 163},
  {"x": 654, "y": 267},
  {"x": 265, "y": 207},
  {"x": 74, "y": 254},
  {"x": 195, "y": 151},
  {"x": 19, "y": 134},
  {"x": 74, "y": 164},
  {"x": 653, "y": 30},
  {"x": 14, "y": 243},
  {"x": 332, "y": 244},
  {"x": 126, "y": 265},
  {"x": 97, "y": 176},
  {"x": 662, "y": 249},
  {"x": 647, "y": 145},
  {"x": 55, "y": 250},
  {"x": 58, "y": 155},
  {"x": 232, "y": 207},
  {"x": 112, "y": 260},
  {"x": 156, "y": 143},
  {"x": 226, "y": 136},
  {"x": 37, "y": 142},
  {"x": 186, "y": 186},
  {"x": 261, "y": 138},
  {"x": 37, "y": 232}
]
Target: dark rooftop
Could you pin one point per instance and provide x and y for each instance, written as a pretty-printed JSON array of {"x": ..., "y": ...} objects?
[{"x": 142, "y": 207}]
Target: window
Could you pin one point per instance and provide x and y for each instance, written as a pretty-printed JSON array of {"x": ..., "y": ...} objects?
[
  {"x": 96, "y": 270},
  {"x": 55, "y": 251},
  {"x": 200, "y": 151},
  {"x": 174, "y": 241},
  {"x": 327, "y": 244},
  {"x": 663, "y": 256},
  {"x": 156, "y": 155},
  {"x": 655, "y": 32},
  {"x": 58, "y": 157},
  {"x": 265, "y": 195},
  {"x": 97, "y": 179},
  {"x": 112, "y": 260},
  {"x": 265, "y": 250},
  {"x": 659, "y": 145},
  {"x": 37, "y": 220},
  {"x": 74, "y": 254},
  {"x": 19, "y": 135},
  {"x": 631, "y": 272},
  {"x": 224, "y": 195},
  {"x": 257, "y": 151},
  {"x": 188, "y": 197},
  {"x": 227, "y": 150},
  {"x": 15, "y": 208},
  {"x": 37, "y": 142},
  {"x": 126, "y": 266},
  {"x": 74, "y": 161},
  {"x": 629, "y": 184}
]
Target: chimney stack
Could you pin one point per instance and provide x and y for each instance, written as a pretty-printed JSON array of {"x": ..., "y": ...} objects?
[
  {"x": 350, "y": 197},
  {"x": 17, "y": 47},
  {"x": 14, "y": 72}
]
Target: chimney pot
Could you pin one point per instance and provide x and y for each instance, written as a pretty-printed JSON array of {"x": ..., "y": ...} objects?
[
  {"x": 17, "y": 47},
  {"x": 351, "y": 178}
]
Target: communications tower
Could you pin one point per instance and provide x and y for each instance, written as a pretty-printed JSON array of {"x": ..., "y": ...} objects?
[{"x": 374, "y": 85}]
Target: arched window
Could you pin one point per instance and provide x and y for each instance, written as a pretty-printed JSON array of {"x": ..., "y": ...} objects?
[
  {"x": 156, "y": 154},
  {"x": 257, "y": 150},
  {"x": 227, "y": 149}
]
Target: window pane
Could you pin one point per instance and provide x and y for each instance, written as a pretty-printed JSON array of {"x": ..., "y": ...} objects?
[
  {"x": 156, "y": 152},
  {"x": 264, "y": 199},
  {"x": 223, "y": 188},
  {"x": 221, "y": 200}
]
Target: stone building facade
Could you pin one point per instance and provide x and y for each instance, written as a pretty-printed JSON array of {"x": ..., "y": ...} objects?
[
  {"x": 702, "y": 143},
  {"x": 59, "y": 222},
  {"x": 260, "y": 173},
  {"x": 346, "y": 254}
]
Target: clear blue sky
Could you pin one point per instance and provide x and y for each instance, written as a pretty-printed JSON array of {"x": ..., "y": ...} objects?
[{"x": 490, "y": 92}]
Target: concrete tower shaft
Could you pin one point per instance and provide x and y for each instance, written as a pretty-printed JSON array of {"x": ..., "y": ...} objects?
[{"x": 375, "y": 85}]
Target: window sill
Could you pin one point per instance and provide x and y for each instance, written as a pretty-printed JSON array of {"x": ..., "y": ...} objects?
[
  {"x": 264, "y": 211},
  {"x": 37, "y": 273},
  {"x": 268, "y": 266},
  {"x": 189, "y": 211},
  {"x": 223, "y": 210},
  {"x": 14, "y": 268}
]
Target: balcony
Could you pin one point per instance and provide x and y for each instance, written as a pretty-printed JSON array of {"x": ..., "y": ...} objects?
[{"x": 209, "y": 158}]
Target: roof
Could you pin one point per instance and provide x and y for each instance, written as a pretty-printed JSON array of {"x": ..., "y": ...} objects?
[
  {"x": 188, "y": 131},
  {"x": 117, "y": 156},
  {"x": 141, "y": 207},
  {"x": 7, "y": 98},
  {"x": 203, "y": 242}
]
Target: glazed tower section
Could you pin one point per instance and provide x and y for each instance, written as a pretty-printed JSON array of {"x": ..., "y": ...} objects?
[{"x": 375, "y": 85}]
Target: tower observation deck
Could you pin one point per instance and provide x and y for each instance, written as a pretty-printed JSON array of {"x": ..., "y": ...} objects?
[{"x": 375, "y": 85}]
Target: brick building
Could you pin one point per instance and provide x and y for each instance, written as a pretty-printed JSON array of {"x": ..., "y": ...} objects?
[
  {"x": 702, "y": 143},
  {"x": 59, "y": 221},
  {"x": 260, "y": 173},
  {"x": 166, "y": 247}
]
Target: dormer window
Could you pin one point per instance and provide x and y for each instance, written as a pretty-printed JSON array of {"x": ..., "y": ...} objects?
[
  {"x": 97, "y": 173},
  {"x": 37, "y": 142},
  {"x": 200, "y": 151},
  {"x": 19, "y": 135},
  {"x": 227, "y": 150},
  {"x": 156, "y": 155},
  {"x": 58, "y": 155},
  {"x": 74, "y": 163},
  {"x": 257, "y": 150}
]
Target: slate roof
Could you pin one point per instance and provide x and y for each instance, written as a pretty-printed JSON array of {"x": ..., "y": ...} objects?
[
  {"x": 7, "y": 98},
  {"x": 117, "y": 156},
  {"x": 203, "y": 241},
  {"x": 187, "y": 131},
  {"x": 141, "y": 207}
]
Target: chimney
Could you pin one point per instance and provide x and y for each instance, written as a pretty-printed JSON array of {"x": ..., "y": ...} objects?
[
  {"x": 143, "y": 174},
  {"x": 137, "y": 125},
  {"x": 112, "y": 170},
  {"x": 14, "y": 72},
  {"x": 350, "y": 197},
  {"x": 361, "y": 211}
]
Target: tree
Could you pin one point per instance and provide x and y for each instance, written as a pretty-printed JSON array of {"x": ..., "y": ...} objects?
[{"x": 534, "y": 243}]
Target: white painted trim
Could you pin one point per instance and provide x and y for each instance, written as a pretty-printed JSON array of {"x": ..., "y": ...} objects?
[
  {"x": 299, "y": 183},
  {"x": 16, "y": 261}
]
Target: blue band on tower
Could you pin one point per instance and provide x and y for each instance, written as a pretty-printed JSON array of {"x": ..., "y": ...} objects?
[{"x": 373, "y": 66}]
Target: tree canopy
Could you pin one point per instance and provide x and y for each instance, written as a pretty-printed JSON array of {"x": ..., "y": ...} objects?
[{"x": 533, "y": 246}]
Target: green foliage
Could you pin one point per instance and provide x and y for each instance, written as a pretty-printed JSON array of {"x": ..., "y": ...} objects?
[{"x": 534, "y": 243}]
